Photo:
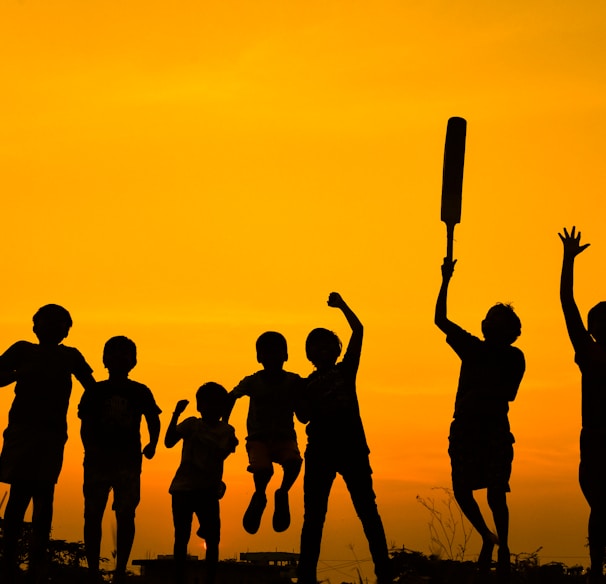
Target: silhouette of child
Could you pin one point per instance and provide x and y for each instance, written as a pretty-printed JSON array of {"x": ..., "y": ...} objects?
[
  {"x": 336, "y": 443},
  {"x": 271, "y": 430},
  {"x": 481, "y": 443},
  {"x": 32, "y": 453},
  {"x": 197, "y": 485},
  {"x": 590, "y": 355},
  {"x": 110, "y": 414}
]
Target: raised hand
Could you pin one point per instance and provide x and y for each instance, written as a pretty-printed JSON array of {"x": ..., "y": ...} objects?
[
  {"x": 149, "y": 451},
  {"x": 448, "y": 268},
  {"x": 335, "y": 300},
  {"x": 181, "y": 405},
  {"x": 572, "y": 243}
]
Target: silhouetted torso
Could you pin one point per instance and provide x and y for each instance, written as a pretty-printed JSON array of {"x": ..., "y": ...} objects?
[
  {"x": 489, "y": 380},
  {"x": 591, "y": 359},
  {"x": 330, "y": 403},
  {"x": 37, "y": 421},
  {"x": 111, "y": 422},
  {"x": 205, "y": 447},
  {"x": 272, "y": 401}
]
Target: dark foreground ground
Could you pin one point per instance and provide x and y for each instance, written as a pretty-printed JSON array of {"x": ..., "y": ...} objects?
[{"x": 411, "y": 568}]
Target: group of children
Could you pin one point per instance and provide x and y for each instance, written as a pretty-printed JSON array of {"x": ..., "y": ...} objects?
[
  {"x": 480, "y": 440},
  {"x": 111, "y": 412}
]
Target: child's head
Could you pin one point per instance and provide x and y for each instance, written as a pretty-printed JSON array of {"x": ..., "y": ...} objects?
[
  {"x": 596, "y": 322},
  {"x": 52, "y": 323},
  {"x": 272, "y": 350},
  {"x": 322, "y": 347},
  {"x": 211, "y": 400},
  {"x": 119, "y": 355},
  {"x": 501, "y": 324}
]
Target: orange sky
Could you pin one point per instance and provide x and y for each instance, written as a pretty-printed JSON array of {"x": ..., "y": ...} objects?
[{"x": 194, "y": 173}]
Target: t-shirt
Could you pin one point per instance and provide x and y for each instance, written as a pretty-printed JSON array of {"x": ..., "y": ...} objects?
[
  {"x": 37, "y": 421},
  {"x": 330, "y": 402},
  {"x": 489, "y": 379},
  {"x": 205, "y": 447},
  {"x": 111, "y": 414},
  {"x": 272, "y": 404},
  {"x": 591, "y": 359}
]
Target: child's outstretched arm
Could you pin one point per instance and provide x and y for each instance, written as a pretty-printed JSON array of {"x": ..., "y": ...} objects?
[
  {"x": 441, "y": 318},
  {"x": 574, "y": 323},
  {"x": 232, "y": 396},
  {"x": 357, "y": 329},
  {"x": 172, "y": 436},
  {"x": 153, "y": 427}
]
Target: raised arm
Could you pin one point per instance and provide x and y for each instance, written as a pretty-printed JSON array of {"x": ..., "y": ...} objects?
[
  {"x": 574, "y": 323},
  {"x": 357, "y": 329},
  {"x": 441, "y": 318},
  {"x": 172, "y": 436}
]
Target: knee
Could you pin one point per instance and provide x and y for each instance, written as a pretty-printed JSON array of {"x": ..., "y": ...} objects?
[
  {"x": 293, "y": 466},
  {"x": 497, "y": 500},
  {"x": 125, "y": 517},
  {"x": 263, "y": 474},
  {"x": 463, "y": 496}
]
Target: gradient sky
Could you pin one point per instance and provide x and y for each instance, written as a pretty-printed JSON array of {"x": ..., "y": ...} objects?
[{"x": 192, "y": 174}]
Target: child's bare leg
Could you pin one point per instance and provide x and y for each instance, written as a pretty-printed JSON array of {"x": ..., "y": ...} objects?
[
  {"x": 182, "y": 519},
  {"x": 254, "y": 512},
  {"x": 125, "y": 521},
  {"x": 292, "y": 468},
  {"x": 597, "y": 540},
  {"x": 471, "y": 510},
  {"x": 281, "y": 518},
  {"x": 212, "y": 560},
  {"x": 261, "y": 479},
  {"x": 42, "y": 518},
  {"x": 18, "y": 501},
  {"x": 497, "y": 501}
]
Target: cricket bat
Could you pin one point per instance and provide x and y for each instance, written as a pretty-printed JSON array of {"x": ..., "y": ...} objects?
[{"x": 452, "y": 178}]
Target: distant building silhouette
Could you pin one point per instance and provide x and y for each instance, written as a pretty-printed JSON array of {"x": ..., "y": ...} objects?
[{"x": 253, "y": 568}]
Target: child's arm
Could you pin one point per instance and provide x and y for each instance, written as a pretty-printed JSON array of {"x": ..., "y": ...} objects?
[
  {"x": 574, "y": 323},
  {"x": 7, "y": 377},
  {"x": 153, "y": 427},
  {"x": 357, "y": 329},
  {"x": 172, "y": 436},
  {"x": 229, "y": 405},
  {"x": 441, "y": 318}
]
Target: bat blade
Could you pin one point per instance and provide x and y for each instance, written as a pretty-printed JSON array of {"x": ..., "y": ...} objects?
[{"x": 452, "y": 177}]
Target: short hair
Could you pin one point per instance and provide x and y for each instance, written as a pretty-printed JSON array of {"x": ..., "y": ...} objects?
[
  {"x": 511, "y": 324},
  {"x": 596, "y": 316},
  {"x": 212, "y": 394},
  {"x": 322, "y": 336},
  {"x": 121, "y": 345},
  {"x": 53, "y": 312},
  {"x": 271, "y": 342}
]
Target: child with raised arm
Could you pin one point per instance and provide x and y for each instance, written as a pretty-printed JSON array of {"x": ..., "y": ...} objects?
[
  {"x": 589, "y": 346},
  {"x": 336, "y": 444},
  {"x": 271, "y": 429},
  {"x": 111, "y": 413},
  {"x": 198, "y": 486},
  {"x": 32, "y": 453},
  {"x": 480, "y": 440}
]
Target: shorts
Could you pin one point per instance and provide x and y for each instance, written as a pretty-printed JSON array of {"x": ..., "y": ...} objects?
[
  {"x": 480, "y": 460},
  {"x": 98, "y": 482},
  {"x": 204, "y": 503},
  {"x": 261, "y": 455}
]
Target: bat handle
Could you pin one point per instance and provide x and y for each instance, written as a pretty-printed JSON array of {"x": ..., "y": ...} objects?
[{"x": 449, "y": 241}]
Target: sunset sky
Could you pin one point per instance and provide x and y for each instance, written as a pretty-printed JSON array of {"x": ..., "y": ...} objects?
[{"x": 195, "y": 172}]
